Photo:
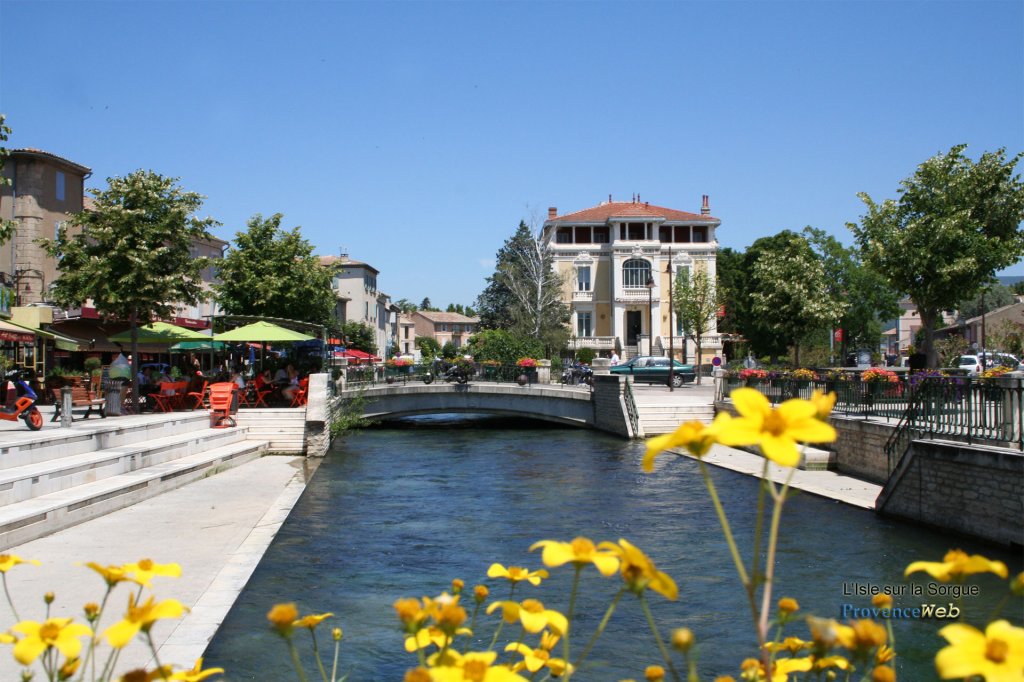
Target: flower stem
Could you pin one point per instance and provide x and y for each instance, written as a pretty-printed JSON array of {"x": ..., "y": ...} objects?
[
  {"x": 334, "y": 667},
  {"x": 740, "y": 568},
  {"x": 569, "y": 615},
  {"x": 293, "y": 652},
  {"x": 600, "y": 627},
  {"x": 657, "y": 637},
  {"x": 762, "y": 489},
  {"x": 769, "y": 568},
  {"x": 316, "y": 652},
  {"x": 10, "y": 601}
]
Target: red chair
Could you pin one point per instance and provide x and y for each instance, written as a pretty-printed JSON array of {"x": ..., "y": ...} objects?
[
  {"x": 261, "y": 396},
  {"x": 245, "y": 398},
  {"x": 299, "y": 396},
  {"x": 222, "y": 402},
  {"x": 199, "y": 396},
  {"x": 163, "y": 399}
]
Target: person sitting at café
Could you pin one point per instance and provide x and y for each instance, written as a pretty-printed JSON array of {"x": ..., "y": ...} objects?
[
  {"x": 288, "y": 392},
  {"x": 238, "y": 379},
  {"x": 264, "y": 381}
]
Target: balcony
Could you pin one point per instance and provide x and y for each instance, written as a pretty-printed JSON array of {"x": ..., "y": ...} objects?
[
  {"x": 582, "y": 296},
  {"x": 595, "y": 342},
  {"x": 637, "y": 295}
]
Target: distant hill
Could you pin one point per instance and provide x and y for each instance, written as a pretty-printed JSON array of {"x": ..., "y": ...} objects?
[{"x": 1009, "y": 280}]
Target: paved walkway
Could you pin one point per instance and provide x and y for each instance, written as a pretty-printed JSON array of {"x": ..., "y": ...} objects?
[{"x": 217, "y": 529}]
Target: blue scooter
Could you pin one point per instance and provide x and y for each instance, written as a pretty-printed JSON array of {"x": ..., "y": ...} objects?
[{"x": 18, "y": 400}]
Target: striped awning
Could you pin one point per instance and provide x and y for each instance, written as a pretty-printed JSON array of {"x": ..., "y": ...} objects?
[{"x": 16, "y": 333}]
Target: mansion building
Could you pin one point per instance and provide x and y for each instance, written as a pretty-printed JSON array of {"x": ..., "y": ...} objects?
[{"x": 615, "y": 260}]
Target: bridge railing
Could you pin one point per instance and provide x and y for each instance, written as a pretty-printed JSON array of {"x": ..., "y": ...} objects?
[{"x": 373, "y": 375}]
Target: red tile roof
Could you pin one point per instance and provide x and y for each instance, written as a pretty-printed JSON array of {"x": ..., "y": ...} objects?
[
  {"x": 447, "y": 317},
  {"x": 629, "y": 209},
  {"x": 328, "y": 261},
  {"x": 28, "y": 151}
]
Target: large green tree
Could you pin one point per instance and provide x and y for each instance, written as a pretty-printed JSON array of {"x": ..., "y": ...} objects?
[
  {"x": 956, "y": 222},
  {"x": 132, "y": 256},
  {"x": 525, "y": 292},
  {"x": 789, "y": 295},
  {"x": 272, "y": 272},
  {"x": 866, "y": 297},
  {"x": 696, "y": 302},
  {"x": 360, "y": 336},
  {"x": 989, "y": 298}
]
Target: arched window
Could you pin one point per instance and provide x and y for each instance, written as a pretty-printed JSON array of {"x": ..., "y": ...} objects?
[{"x": 635, "y": 273}]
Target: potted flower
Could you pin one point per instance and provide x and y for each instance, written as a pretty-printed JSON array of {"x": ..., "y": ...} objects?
[
  {"x": 802, "y": 379},
  {"x": 877, "y": 381},
  {"x": 990, "y": 380},
  {"x": 528, "y": 367},
  {"x": 752, "y": 376}
]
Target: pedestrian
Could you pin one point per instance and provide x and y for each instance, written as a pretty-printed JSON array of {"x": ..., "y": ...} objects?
[{"x": 615, "y": 358}]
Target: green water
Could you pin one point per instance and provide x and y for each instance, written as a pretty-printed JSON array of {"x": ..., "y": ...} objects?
[{"x": 400, "y": 511}]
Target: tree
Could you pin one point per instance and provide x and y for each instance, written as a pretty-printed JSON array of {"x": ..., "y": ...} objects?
[
  {"x": 425, "y": 305},
  {"x": 429, "y": 347},
  {"x": 955, "y": 224},
  {"x": 789, "y": 294},
  {"x": 406, "y": 306},
  {"x": 132, "y": 256},
  {"x": 360, "y": 336},
  {"x": 1008, "y": 336},
  {"x": 525, "y": 292},
  {"x": 449, "y": 350},
  {"x": 696, "y": 302},
  {"x": 866, "y": 296},
  {"x": 272, "y": 272},
  {"x": 990, "y": 298},
  {"x": 6, "y": 226},
  {"x": 503, "y": 346}
]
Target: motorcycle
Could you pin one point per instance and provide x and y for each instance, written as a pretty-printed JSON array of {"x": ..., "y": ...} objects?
[
  {"x": 446, "y": 372},
  {"x": 577, "y": 374},
  {"x": 18, "y": 400}
]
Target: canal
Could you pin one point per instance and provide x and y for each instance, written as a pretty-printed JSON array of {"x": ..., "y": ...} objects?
[{"x": 399, "y": 511}]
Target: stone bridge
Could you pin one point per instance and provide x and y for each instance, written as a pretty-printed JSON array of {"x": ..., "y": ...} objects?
[{"x": 604, "y": 408}]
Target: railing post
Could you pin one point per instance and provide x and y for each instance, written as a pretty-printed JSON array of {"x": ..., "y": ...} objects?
[{"x": 65, "y": 407}]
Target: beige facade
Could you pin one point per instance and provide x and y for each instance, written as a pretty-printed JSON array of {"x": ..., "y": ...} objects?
[
  {"x": 359, "y": 300},
  {"x": 45, "y": 189},
  {"x": 407, "y": 335},
  {"x": 607, "y": 256},
  {"x": 445, "y": 328}
]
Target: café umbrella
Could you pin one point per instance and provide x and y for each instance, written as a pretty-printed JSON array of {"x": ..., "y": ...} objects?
[
  {"x": 262, "y": 331},
  {"x": 160, "y": 332}
]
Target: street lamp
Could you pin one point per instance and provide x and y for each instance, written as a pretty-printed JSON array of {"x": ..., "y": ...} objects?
[
  {"x": 650, "y": 313},
  {"x": 671, "y": 337}
]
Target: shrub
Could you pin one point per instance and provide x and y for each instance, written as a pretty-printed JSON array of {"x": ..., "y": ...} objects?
[{"x": 586, "y": 355}]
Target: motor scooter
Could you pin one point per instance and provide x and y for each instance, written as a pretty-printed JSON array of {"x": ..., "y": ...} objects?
[
  {"x": 18, "y": 400},
  {"x": 577, "y": 374},
  {"x": 446, "y": 372}
]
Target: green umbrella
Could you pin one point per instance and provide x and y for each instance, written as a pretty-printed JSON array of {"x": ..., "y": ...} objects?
[
  {"x": 160, "y": 332},
  {"x": 198, "y": 345},
  {"x": 262, "y": 331}
]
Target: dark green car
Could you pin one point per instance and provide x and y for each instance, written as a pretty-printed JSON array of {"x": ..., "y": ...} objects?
[{"x": 654, "y": 370}]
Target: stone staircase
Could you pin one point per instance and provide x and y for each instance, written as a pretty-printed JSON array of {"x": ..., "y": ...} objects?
[
  {"x": 283, "y": 428},
  {"x": 656, "y": 419},
  {"x": 58, "y": 478}
]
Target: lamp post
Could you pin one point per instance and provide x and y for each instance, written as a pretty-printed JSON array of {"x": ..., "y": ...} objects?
[
  {"x": 650, "y": 314},
  {"x": 671, "y": 336}
]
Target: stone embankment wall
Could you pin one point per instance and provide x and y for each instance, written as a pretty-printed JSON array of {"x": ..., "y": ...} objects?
[
  {"x": 969, "y": 489},
  {"x": 320, "y": 409},
  {"x": 610, "y": 405},
  {"x": 860, "y": 448}
]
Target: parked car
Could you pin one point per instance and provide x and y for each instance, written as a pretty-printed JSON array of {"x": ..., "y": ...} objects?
[
  {"x": 654, "y": 370},
  {"x": 972, "y": 363}
]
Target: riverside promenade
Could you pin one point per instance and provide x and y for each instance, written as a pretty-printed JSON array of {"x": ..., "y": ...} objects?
[{"x": 218, "y": 529}]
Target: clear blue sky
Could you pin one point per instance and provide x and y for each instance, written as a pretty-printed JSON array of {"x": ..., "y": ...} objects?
[{"x": 418, "y": 134}]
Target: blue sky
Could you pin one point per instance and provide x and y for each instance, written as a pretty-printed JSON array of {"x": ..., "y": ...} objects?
[{"x": 418, "y": 134}]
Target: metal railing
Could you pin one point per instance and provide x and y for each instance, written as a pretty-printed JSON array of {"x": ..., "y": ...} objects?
[
  {"x": 631, "y": 409},
  {"x": 960, "y": 408},
  {"x": 372, "y": 375}
]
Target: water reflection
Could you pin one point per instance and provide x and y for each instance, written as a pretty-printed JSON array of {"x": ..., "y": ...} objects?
[{"x": 400, "y": 511}]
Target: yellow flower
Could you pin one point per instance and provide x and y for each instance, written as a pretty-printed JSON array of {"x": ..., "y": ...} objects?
[
  {"x": 823, "y": 403},
  {"x": 417, "y": 675},
  {"x": 424, "y": 637},
  {"x": 882, "y": 601},
  {"x": 776, "y": 431},
  {"x": 788, "y": 605},
  {"x": 472, "y": 667},
  {"x": 141, "y": 617},
  {"x": 884, "y": 654},
  {"x": 282, "y": 617},
  {"x": 883, "y": 673},
  {"x": 9, "y": 561},
  {"x": 457, "y": 585},
  {"x": 535, "y": 659},
  {"x": 516, "y": 574},
  {"x": 112, "y": 575},
  {"x": 997, "y": 655},
  {"x": 654, "y": 673},
  {"x": 861, "y": 635},
  {"x": 695, "y": 436},
  {"x": 956, "y": 565},
  {"x": 580, "y": 551},
  {"x": 793, "y": 645},
  {"x": 480, "y": 593},
  {"x": 639, "y": 572},
  {"x": 196, "y": 674},
  {"x": 57, "y": 633},
  {"x": 336, "y": 634},
  {"x": 682, "y": 639},
  {"x": 1017, "y": 584},
  {"x": 311, "y": 621},
  {"x": 532, "y": 614},
  {"x": 68, "y": 669},
  {"x": 144, "y": 570}
]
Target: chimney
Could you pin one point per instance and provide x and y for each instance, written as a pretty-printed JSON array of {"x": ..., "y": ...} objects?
[
  {"x": 609, "y": 198},
  {"x": 552, "y": 212},
  {"x": 705, "y": 209},
  {"x": 343, "y": 254}
]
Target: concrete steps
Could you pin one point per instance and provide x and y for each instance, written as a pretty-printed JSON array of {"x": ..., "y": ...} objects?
[
  {"x": 665, "y": 418},
  {"x": 57, "y": 478},
  {"x": 284, "y": 429}
]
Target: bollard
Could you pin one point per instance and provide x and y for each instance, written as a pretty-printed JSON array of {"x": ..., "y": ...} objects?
[{"x": 65, "y": 407}]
